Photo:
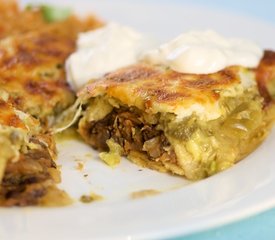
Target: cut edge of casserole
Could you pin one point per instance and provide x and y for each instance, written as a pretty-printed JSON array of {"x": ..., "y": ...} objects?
[
  {"x": 28, "y": 172},
  {"x": 185, "y": 124},
  {"x": 33, "y": 92}
]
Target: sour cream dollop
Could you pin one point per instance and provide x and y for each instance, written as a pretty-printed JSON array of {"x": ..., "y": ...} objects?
[
  {"x": 104, "y": 50},
  {"x": 204, "y": 52}
]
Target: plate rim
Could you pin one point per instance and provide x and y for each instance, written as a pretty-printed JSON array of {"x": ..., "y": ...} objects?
[{"x": 270, "y": 202}]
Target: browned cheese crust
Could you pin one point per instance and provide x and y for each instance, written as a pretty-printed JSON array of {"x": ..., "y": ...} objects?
[
  {"x": 32, "y": 57},
  {"x": 266, "y": 77},
  {"x": 150, "y": 87}
]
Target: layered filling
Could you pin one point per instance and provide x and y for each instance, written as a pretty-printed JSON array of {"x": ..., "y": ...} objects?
[
  {"x": 133, "y": 132},
  {"x": 31, "y": 177},
  {"x": 28, "y": 173},
  {"x": 26, "y": 180},
  {"x": 189, "y": 146}
]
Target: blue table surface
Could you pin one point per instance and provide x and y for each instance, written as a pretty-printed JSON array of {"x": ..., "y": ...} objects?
[{"x": 261, "y": 226}]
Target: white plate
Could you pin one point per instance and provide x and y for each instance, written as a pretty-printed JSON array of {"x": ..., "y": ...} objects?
[{"x": 181, "y": 208}]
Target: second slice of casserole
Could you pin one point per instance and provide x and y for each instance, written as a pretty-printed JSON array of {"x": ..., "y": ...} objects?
[{"x": 193, "y": 125}]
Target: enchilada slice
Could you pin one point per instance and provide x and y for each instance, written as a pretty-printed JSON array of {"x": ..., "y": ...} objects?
[{"x": 193, "y": 125}]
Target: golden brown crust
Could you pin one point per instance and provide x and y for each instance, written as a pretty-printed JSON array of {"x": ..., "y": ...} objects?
[
  {"x": 8, "y": 116},
  {"x": 265, "y": 76},
  {"x": 33, "y": 73},
  {"x": 160, "y": 87},
  {"x": 32, "y": 58}
]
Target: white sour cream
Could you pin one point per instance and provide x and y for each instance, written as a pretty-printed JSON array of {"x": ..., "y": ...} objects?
[
  {"x": 204, "y": 52},
  {"x": 102, "y": 51}
]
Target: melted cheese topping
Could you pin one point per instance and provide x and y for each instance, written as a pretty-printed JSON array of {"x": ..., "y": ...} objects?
[{"x": 157, "y": 89}]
